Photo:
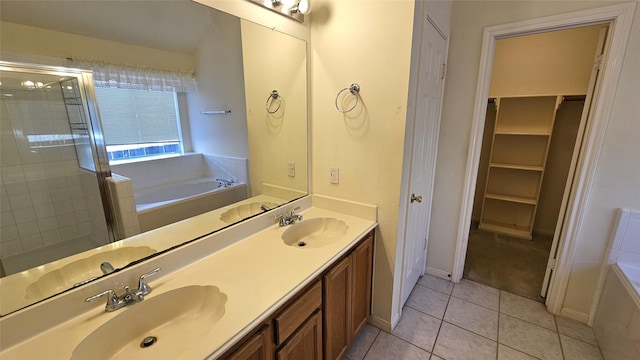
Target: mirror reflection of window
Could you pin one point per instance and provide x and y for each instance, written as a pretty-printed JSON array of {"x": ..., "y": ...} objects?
[{"x": 139, "y": 124}]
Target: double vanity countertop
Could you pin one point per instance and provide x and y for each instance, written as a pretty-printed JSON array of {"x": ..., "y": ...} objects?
[{"x": 255, "y": 275}]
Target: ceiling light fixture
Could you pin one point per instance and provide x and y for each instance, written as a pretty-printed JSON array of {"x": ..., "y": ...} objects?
[
  {"x": 295, "y": 9},
  {"x": 303, "y": 7}
]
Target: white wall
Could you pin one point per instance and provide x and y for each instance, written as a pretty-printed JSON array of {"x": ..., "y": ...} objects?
[
  {"x": 275, "y": 61},
  {"x": 220, "y": 82},
  {"x": 618, "y": 172},
  {"x": 368, "y": 43}
]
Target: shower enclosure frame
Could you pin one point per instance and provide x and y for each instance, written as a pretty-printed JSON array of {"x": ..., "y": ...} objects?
[{"x": 94, "y": 125}]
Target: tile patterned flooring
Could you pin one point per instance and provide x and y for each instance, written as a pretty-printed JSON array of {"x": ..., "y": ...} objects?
[{"x": 447, "y": 321}]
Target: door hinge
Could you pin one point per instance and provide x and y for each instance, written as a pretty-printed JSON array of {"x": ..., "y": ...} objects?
[
  {"x": 424, "y": 244},
  {"x": 597, "y": 63},
  {"x": 444, "y": 71},
  {"x": 551, "y": 264}
]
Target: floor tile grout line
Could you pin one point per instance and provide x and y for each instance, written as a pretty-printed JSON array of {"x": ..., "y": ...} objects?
[
  {"x": 467, "y": 330},
  {"x": 471, "y": 331},
  {"x": 520, "y": 351},
  {"x": 458, "y": 297},
  {"x": 597, "y": 344},
  {"x": 555, "y": 322},
  {"x": 370, "y": 345},
  {"x": 422, "y": 312},
  {"x": 482, "y": 306},
  {"x": 498, "y": 330},
  {"x": 426, "y": 287},
  {"x": 435, "y": 341},
  {"x": 409, "y": 342},
  {"x": 529, "y": 322}
]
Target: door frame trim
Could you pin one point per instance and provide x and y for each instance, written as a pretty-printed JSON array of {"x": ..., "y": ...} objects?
[{"x": 621, "y": 18}]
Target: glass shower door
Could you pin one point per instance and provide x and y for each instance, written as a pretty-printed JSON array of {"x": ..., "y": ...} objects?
[{"x": 52, "y": 168}]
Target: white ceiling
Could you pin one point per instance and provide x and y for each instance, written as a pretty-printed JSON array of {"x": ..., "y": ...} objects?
[{"x": 172, "y": 25}]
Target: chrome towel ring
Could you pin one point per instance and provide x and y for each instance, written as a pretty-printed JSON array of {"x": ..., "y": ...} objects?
[
  {"x": 273, "y": 97},
  {"x": 354, "y": 89}
]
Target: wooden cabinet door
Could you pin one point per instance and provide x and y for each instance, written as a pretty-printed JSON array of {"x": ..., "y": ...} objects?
[
  {"x": 362, "y": 260},
  {"x": 337, "y": 307},
  {"x": 306, "y": 342},
  {"x": 256, "y": 347}
]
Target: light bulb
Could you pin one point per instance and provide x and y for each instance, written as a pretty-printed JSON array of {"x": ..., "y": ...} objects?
[
  {"x": 288, "y": 3},
  {"x": 304, "y": 6}
]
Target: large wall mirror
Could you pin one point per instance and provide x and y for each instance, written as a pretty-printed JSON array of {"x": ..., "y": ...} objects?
[{"x": 230, "y": 144}]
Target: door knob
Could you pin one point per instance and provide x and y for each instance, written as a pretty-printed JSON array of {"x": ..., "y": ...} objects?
[{"x": 416, "y": 198}]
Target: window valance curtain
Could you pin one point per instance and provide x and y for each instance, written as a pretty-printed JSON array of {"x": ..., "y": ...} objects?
[{"x": 139, "y": 78}]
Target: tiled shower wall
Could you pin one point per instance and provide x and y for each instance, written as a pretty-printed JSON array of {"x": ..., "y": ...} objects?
[{"x": 46, "y": 199}]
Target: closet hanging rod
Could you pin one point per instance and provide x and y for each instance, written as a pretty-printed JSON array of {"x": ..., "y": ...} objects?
[{"x": 215, "y": 112}]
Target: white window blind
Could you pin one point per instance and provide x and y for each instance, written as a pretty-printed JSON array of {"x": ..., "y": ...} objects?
[{"x": 137, "y": 116}]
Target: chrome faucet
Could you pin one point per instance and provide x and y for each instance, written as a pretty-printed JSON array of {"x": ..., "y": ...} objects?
[
  {"x": 224, "y": 182},
  {"x": 115, "y": 302},
  {"x": 284, "y": 219}
]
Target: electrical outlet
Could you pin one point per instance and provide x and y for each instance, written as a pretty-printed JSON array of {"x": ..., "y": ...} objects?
[
  {"x": 292, "y": 169},
  {"x": 334, "y": 175}
]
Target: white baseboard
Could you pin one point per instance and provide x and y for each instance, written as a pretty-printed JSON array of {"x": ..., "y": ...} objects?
[
  {"x": 575, "y": 315},
  {"x": 439, "y": 273},
  {"x": 381, "y": 323}
]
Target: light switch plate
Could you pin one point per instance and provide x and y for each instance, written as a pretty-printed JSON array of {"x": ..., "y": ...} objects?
[
  {"x": 291, "y": 169},
  {"x": 334, "y": 175}
]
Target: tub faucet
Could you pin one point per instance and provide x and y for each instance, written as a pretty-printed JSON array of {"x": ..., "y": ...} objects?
[
  {"x": 224, "y": 182},
  {"x": 106, "y": 268},
  {"x": 130, "y": 296},
  {"x": 284, "y": 219}
]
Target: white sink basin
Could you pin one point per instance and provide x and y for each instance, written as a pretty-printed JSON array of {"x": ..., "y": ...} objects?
[
  {"x": 314, "y": 233},
  {"x": 244, "y": 211},
  {"x": 81, "y": 270},
  {"x": 169, "y": 325}
]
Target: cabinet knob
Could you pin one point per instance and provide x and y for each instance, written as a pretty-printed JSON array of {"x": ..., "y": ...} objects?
[{"x": 416, "y": 198}]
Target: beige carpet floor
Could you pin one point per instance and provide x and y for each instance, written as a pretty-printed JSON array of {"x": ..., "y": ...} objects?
[{"x": 507, "y": 263}]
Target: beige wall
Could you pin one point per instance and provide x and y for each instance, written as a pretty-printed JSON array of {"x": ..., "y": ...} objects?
[
  {"x": 275, "y": 61},
  {"x": 369, "y": 44},
  {"x": 551, "y": 63},
  {"x": 563, "y": 139},
  {"x": 618, "y": 171},
  {"x": 28, "y": 40}
]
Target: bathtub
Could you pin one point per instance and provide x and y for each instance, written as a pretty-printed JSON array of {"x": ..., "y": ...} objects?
[
  {"x": 167, "y": 204},
  {"x": 617, "y": 320}
]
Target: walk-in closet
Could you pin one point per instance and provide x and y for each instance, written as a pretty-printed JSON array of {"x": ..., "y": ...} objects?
[{"x": 536, "y": 114}]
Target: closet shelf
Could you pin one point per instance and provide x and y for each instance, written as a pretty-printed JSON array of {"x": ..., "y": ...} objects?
[
  {"x": 519, "y": 149},
  {"x": 522, "y": 133},
  {"x": 517, "y": 166},
  {"x": 511, "y": 198}
]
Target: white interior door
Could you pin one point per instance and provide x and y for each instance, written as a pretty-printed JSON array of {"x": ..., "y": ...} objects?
[
  {"x": 423, "y": 155},
  {"x": 586, "y": 115}
]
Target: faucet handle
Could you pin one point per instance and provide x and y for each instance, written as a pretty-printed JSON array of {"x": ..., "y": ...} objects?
[
  {"x": 113, "y": 301},
  {"x": 293, "y": 211},
  {"x": 143, "y": 287}
]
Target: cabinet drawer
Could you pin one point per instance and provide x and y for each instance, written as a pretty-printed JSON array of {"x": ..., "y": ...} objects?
[{"x": 297, "y": 312}]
